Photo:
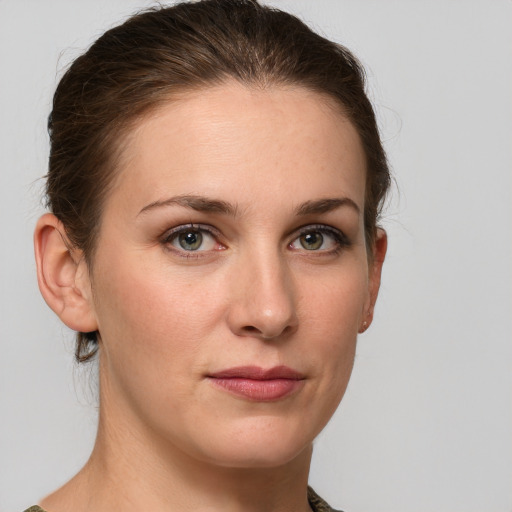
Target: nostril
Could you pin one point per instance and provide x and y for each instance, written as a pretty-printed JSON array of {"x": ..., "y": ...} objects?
[{"x": 251, "y": 330}]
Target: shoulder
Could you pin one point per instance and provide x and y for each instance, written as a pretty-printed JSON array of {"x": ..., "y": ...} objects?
[{"x": 316, "y": 503}]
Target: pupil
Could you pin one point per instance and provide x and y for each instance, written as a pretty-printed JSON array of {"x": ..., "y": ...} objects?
[
  {"x": 311, "y": 241},
  {"x": 191, "y": 241}
]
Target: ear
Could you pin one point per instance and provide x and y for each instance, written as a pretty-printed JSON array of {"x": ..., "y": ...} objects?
[
  {"x": 374, "y": 276},
  {"x": 63, "y": 276}
]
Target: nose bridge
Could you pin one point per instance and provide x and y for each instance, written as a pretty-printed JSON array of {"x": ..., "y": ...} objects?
[{"x": 265, "y": 302}]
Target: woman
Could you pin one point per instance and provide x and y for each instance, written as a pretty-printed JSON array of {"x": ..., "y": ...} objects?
[{"x": 215, "y": 181}]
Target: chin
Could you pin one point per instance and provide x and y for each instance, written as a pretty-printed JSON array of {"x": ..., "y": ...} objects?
[
  {"x": 270, "y": 455},
  {"x": 258, "y": 445}
]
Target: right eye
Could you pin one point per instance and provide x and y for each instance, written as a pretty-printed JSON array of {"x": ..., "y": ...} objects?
[{"x": 192, "y": 239}]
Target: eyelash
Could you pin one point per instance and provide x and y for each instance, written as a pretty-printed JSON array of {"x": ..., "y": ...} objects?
[
  {"x": 340, "y": 239},
  {"x": 173, "y": 233}
]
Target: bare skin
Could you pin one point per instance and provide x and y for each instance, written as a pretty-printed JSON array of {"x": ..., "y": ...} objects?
[{"x": 233, "y": 238}]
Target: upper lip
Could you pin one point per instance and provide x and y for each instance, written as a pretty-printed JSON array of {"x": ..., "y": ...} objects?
[{"x": 258, "y": 373}]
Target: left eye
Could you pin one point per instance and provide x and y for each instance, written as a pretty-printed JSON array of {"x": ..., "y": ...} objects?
[
  {"x": 192, "y": 239},
  {"x": 320, "y": 239}
]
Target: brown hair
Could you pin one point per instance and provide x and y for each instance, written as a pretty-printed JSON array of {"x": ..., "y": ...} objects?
[{"x": 138, "y": 65}]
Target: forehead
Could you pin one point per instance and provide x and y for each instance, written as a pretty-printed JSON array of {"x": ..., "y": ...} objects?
[{"x": 238, "y": 141}]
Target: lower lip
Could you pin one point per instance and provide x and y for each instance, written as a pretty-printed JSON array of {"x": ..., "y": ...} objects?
[{"x": 258, "y": 390}]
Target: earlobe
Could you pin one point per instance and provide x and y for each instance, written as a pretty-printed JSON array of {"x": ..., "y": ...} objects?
[
  {"x": 374, "y": 278},
  {"x": 62, "y": 276}
]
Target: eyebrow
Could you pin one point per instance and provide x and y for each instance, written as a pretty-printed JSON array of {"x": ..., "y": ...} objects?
[
  {"x": 198, "y": 203},
  {"x": 325, "y": 205},
  {"x": 205, "y": 204}
]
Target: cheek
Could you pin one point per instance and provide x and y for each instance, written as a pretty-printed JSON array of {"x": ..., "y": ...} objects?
[
  {"x": 155, "y": 329},
  {"x": 147, "y": 292},
  {"x": 146, "y": 317},
  {"x": 334, "y": 314},
  {"x": 334, "y": 301}
]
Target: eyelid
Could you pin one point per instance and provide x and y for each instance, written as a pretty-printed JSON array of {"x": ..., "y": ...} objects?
[
  {"x": 171, "y": 233},
  {"x": 339, "y": 236},
  {"x": 341, "y": 239}
]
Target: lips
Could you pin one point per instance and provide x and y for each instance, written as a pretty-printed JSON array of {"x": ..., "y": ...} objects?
[{"x": 258, "y": 384}]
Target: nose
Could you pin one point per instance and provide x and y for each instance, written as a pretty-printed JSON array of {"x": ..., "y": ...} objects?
[{"x": 263, "y": 303}]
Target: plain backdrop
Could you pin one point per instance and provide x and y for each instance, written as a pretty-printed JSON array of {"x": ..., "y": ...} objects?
[{"x": 426, "y": 423}]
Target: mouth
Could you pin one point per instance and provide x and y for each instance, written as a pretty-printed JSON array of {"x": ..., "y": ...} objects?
[{"x": 258, "y": 384}]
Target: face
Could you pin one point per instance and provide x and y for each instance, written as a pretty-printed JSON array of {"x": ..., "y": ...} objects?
[{"x": 231, "y": 274}]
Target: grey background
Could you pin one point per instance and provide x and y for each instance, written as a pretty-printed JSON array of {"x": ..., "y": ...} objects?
[{"x": 427, "y": 420}]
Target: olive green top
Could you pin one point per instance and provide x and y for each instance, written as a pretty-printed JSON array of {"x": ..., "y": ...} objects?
[{"x": 316, "y": 503}]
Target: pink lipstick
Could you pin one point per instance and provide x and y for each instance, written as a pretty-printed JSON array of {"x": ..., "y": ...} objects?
[{"x": 257, "y": 384}]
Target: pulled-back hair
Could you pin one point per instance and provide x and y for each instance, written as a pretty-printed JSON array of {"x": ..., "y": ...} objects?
[{"x": 137, "y": 66}]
